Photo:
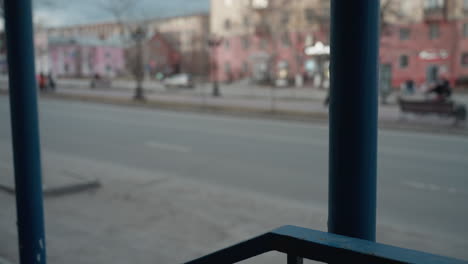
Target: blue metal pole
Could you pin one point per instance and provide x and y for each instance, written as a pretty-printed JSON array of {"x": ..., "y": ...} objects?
[
  {"x": 353, "y": 118},
  {"x": 25, "y": 131}
]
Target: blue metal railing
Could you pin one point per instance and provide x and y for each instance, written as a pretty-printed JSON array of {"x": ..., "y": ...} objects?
[
  {"x": 352, "y": 158},
  {"x": 25, "y": 131},
  {"x": 301, "y": 243}
]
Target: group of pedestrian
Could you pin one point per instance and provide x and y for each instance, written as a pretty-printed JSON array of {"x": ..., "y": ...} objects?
[
  {"x": 46, "y": 82},
  {"x": 440, "y": 88}
]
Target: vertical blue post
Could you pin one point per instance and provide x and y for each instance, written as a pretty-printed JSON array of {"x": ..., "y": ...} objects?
[
  {"x": 25, "y": 131},
  {"x": 353, "y": 118}
]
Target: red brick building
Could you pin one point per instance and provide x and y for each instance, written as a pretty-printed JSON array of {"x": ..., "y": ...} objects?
[
  {"x": 436, "y": 45},
  {"x": 426, "y": 50},
  {"x": 161, "y": 55}
]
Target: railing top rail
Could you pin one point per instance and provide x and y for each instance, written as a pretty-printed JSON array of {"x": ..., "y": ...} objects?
[{"x": 321, "y": 246}]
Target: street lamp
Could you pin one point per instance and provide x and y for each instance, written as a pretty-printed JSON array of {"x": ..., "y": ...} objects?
[
  {"x": 138, "y": 36},
  {"x": 213, "y": 43}
]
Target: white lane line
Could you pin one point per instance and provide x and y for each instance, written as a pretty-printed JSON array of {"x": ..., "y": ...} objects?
[
  {"x": 422, "y": 154},
  {"x": 169, "y": 147},
  {"x": 425, "y": 136},
  {"x": 429, "y": 187}
]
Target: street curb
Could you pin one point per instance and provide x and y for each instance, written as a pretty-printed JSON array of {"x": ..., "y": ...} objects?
[
  {"x": 184, "y": 106},
  {"x": 59, "y": 191},
  {"x": 248, "y": 112}
]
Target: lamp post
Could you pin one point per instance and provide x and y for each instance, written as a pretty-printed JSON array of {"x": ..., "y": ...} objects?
[
  {"x": 138, "y": 36},
  {"x": 213, "y": 43}
]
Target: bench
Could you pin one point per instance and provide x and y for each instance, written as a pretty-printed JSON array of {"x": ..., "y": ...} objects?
[{"x": 442, "y": 108}]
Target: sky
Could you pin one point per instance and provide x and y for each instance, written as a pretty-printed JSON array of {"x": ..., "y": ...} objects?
[{"x": 66, "y": 12}]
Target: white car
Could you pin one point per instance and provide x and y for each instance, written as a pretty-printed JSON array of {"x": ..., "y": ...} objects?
[{"x": 181, "y": 80}]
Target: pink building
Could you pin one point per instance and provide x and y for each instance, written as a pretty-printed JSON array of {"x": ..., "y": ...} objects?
[
  {"x": 85, "y": 57},
  {"x": 422, "y": 52},
  {"x": 260, "y": 58}
]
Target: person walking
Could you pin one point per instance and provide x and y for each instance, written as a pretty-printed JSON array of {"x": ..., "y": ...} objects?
[
  {"x": 42, "y": 82},
  {"x": 51, "y": 81}
]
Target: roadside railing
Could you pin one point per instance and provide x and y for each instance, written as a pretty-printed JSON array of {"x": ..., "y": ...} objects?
[{"x": 301, "y": 243}]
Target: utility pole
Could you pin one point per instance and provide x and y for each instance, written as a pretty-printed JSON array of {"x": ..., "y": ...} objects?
[{"x": 139, "y": 35}]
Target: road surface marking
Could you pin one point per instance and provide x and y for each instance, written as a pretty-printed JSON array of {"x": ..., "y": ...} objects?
[
  {"x": 423, "y": 154},
  {"x": 429, "y": 187},
  {"x": 170, "y": 147}
]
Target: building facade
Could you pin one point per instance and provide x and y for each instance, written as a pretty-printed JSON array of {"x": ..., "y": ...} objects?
[
  {"x": 160, "y": 56},
  {"x": 435, "y": 46},
  {"x": 266, "y": 40},
  {"x": 85, "y": 57},
  {"x": 189, "y": 36}
]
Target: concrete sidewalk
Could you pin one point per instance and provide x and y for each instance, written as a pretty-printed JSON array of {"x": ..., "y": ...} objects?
[
  {"x": 389, "y": 115},
  {"x": 141, "y": 216}
]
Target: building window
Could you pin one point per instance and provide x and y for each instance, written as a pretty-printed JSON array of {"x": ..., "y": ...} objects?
[
  {"x": 285, "y": 39},
  {"x": 404, "y": 61},
  {"x": 108, "y": 68},
  {"x": 108, "y": 55},
  {"x": 404, "y": 33},
  {"x": 465, "y": 4},
  {"x": 245, "y": 42},
  {"x": 309, "y": 15},
  {"x": 464, "y": 59},
  {"x": 227, "y": 44},
  {"x": 259, "y": 3},
  {"x": 434, "y": 31},
  {"x": 465, "y": 30},
  {"x": 227, "y": 24},
  {"x": 434, "y": 4},
  {"x": 246, "y": 21}
]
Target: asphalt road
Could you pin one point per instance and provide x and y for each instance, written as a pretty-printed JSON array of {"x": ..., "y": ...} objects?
[{"x": 422, "y": 184}]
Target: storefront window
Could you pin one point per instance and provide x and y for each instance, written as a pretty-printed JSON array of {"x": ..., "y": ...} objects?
[
  {"x": 227, "y": 67},
  {"x": 245, "y": 67}
]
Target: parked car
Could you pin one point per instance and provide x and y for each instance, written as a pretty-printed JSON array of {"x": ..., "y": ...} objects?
[{"x": 181, "y": 80}]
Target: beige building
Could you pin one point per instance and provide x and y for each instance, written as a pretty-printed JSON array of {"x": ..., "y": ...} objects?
[
  {"x": 99, "y": 30},
  {"x": 240, "y": 17},
  {"x": 189, "y": 31},
  {"x": 413, "y": 11},
  {"x": 237, "y": 17}
]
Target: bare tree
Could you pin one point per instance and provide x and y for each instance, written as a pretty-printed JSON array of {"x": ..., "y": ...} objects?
[
  {"x": 133, "y": 32},
  {"x": 389, "y": 11},
  {"x": 36, "y": 3}
]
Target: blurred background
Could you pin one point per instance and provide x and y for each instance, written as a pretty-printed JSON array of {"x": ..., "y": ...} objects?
[{"x": 174, "y": 128}]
